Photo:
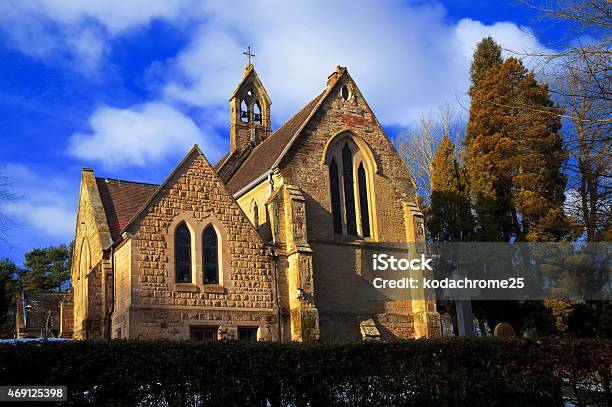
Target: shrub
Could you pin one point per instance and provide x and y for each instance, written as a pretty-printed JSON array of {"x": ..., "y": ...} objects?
[{"x": 407, "y": 373}]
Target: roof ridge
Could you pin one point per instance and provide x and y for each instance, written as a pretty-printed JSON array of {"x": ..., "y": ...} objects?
[
  {"x": 340, "y": 71},
  {"x": 127, "y": 181}
]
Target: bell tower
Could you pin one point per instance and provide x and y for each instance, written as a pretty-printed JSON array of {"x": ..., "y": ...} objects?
[{"x": 249, "y": 111}]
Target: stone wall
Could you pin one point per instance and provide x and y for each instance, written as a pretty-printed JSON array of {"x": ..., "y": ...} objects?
[
  {"x": 122, "y": 258},
  {"x": 67, "y": 315},
  {"x": 92, "y": 236},
  {"x": 343, "y": 298},
  {"x": 194, "y": 195},
  {"x": 303, "y": 165}
]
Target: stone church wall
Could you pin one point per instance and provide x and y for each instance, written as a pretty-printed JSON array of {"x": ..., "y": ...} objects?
[
  {"x": 91, "y": 237},
  {"x": 162, "y": 308},
  {"x": 123, "y": 292},
  {"x": 342, "y": 297}
]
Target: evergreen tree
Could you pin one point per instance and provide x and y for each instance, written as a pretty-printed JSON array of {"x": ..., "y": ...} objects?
[
  {"x": 448, "y": 216},
  {"x": 47, "y": 269},
  {"x": 486, "y": 56},
  {"x": 8, "y": 271},
  {"x": 514, "y": 157}
]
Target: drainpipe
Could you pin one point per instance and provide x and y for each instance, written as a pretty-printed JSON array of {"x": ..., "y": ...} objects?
[
  {"x": 112, "y": 310},
  {"x": 274, "y": 256}
]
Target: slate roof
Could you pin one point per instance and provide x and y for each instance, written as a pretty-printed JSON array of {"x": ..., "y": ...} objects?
[{"x": 122, "y": 200}]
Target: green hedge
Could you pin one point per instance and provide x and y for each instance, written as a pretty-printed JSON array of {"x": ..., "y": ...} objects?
[{"x": 471, "y": 372}]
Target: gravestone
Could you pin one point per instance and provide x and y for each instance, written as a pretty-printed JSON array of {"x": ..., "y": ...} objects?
[
  {"x": 369, "y": 332},
  {"x": 504, "y": 330}
]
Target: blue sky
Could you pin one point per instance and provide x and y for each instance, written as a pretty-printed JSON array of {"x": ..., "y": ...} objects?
[{"x": 127, "y": 86}]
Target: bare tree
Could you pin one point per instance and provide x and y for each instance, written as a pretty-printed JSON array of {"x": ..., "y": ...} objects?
[
  {"x": 417, "y": 146},
  {"x": 588, "y": 141},
  {"x": 6, "y": 196},
  {"x": 587, "y": 47},
  {"x": 580, "y": 75}
]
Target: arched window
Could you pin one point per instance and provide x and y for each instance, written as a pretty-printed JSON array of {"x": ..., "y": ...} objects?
[
  {"x": 335, "y": 196},
  {"x": 363, "y": 201},
  {"x": 182, "y": 254},
  {"x": 84, "y": 266},
  {"x": 350, "y": 167},
  {"x": 257, "y": 113},
  {"x": 349, "y": 190},
  {"x": 345, "y": 92},
  {"x": 255, "y": 214},
  {"x": 244, "y": 112},
  {"x": 210, "y": 253}
]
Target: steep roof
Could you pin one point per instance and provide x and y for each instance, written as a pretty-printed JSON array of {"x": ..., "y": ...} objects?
[
  {"x": 122, "y": 200},
  {"x": 269, "y": 152},
  {"x": 265, "y": 154}
]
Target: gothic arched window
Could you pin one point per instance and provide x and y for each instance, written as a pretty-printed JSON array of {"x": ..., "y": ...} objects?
[
  {"x": 257, "y": 113},
  {"x": 210, "y": 253},
  {"x": 84, "y": 267},
  {"x": 349, "y": 190},
  {"x": 363, "y": 201},
  {"x": 335, "y": 196},
  {"x": 350, "y": 169},
  {"x": 182, "y": 254},
  {"x": 244, "y": 112}
]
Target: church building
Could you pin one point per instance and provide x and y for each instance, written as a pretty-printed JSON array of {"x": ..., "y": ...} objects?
[{"x": 265, "y": 245}]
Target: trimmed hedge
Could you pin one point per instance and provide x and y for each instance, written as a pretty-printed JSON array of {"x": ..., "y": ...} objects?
[{"x": 445, "y": 372}]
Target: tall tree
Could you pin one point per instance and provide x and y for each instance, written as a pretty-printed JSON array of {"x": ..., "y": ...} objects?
[
  {"x": 514, "y": 157},
  {"x": 587, "y": 137},
  {"x": 448, "y": 217},
  {"x": 486, "y": 56},
  {"x": 418, "y": 147},
  {"x": 8, "y": 271},
  {"x": 47, "y": 269}
]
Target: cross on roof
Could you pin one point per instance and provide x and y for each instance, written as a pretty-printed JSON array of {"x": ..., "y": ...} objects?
[{"x": 249, "y": 54}]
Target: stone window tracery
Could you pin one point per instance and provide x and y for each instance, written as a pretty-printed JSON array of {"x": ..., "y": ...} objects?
[{"x": 350, "y": 175}]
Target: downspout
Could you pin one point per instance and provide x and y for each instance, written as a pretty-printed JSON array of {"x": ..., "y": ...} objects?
[
  {"x": 112, "y": 310},
  {"x": 274, "y": 256}
]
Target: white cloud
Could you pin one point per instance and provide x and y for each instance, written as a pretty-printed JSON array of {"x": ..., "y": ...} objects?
[
  {"x": 406, "y": 58},
  {"x": 52, "y": 220},
  {"x": 43, "y": 204},
  {"x": 79, "y": 31},
  {"x": 141, "y": 135},
  {"x": 520, "y": 40}
]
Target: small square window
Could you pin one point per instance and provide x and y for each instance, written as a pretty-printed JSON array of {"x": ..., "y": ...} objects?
[
  {"x": 201, "y": 333},
  {"x": 248, "y": 334}
]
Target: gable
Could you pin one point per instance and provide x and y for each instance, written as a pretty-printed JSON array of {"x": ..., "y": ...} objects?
[
  {"x": 251, "y": 78},
  {"x": 192, "y": 187},
  {"x": 91, "y": 217},
  {"x": 272, "y": 151}
]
